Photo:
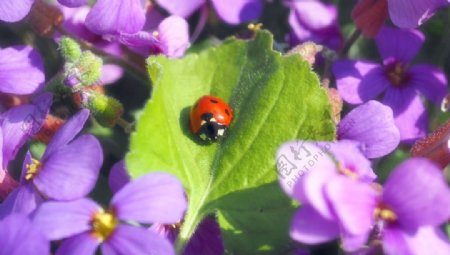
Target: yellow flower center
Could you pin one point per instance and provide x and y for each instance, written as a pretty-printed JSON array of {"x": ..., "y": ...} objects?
[
  {"x": 32, "y": 169},
  {"x": 155, "y": 34},
  {"x": 254, "y": 27},
  {"x": 384, "y": 213},
  {"x": 103, "y": 224}
]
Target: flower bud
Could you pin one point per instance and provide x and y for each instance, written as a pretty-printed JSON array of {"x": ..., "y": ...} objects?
[
  {"x": 70, "y": 49},
  {"x": 106, "y": 110},
  {"x": 91, "y": 68},
  {"x": 84, "y": 72}
]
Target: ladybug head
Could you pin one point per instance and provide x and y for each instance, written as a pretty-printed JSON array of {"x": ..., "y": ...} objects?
[{"x": 210, "y": 129}]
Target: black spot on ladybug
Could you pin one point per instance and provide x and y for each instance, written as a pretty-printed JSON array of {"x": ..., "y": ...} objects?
[
  {"x": 213, "y": 101},
  {"x": 227, "y": 112}
]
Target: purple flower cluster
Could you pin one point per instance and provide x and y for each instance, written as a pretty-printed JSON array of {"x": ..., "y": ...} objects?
[
  {"x": 339, "y": 199},
  {"x": 402, "y": 84},
  {"x": 52, "y": 190}
]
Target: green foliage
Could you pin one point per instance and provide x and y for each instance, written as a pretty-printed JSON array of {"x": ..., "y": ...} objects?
[{"x": 275, "y": 99}]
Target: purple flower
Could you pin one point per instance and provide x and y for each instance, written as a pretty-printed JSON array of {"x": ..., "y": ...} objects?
[
  {"x": 405, "y": 217},
  {"x": 372, "y": 125},
  {"x": 118, "y": 176},
  {"x": 314, "y": 21},
  {"x": 310, "y": 163},
  {"x": 169, "y": 37},
  {"x": 206, "y": 240},
  {"x": 14, "y": 62},
  {"x": 155, "y": 197},
  {"x": 314, "y": 166},
  {"x": 17, "y": 125},
  {"x": 413, "y": 13},
  {"x": 113, "y": 17},
  {"x": 68, "y": 169},
  {"x": 360, "y": 81},
  {"x": 231, "y": 11},
  {"x": 19, "y": 236},
  {"x": 14, "y": 10},
  {"x": 74, "y": 22}
]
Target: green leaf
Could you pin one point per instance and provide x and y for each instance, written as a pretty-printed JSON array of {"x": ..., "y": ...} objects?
[{"x": 274, "y": 98}]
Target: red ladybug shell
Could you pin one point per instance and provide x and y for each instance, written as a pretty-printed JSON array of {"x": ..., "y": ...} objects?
[{"x": 210, "y": 105}]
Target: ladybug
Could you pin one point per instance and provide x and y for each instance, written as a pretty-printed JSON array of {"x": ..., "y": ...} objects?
[{"x": 210, "y": 117}]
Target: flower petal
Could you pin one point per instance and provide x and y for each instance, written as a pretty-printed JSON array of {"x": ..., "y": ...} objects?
[
  {"x": 238, "y": 11},
  {"x": 295, "y": 159},
  {"x": 2, "y": 167},
  {"x": 83, "y": 243},
  {"x": 116, "y": 16},
  {"x": 428, "y": 241},
  {"x": 372, "y": 124},
  {"x": 413, "y": 13},
  {"x": 20, "y": 123},
  {"x": 14, "y": 10},
  {"x": 349, "y": 157},
  {"x": 430, "y": 81},
  {"x": 418, "y": 194},
  {"x": 353, "y": 203},
  {"x": 67, "y": 132},
  {"x": 72, "y": 171},
  {"x": 155, "y": 197},
  {"x": 394, "y": 241},
  {"x": 73, "y": 3},
  {"x": 359, "y": 81},
  {"x": 399, "y": 45},
  {"x": 310, "y": 227},
  {"x": 181, "y": 7},
  {"x": 174, "y": 36},
  {"x": 23, "y": 200},
  {"x": 134, "y": 240},
  {"x": 59, "y": 220},
  {"x": 18, "y": 236},
  {"x": 409, "y": 113},
  {"x": 353, "y": 243},
  {"x": 118, "y": 176},
  {"x": 315, "y": 15},
  {"x": 111, "y": 73},
  {"x": 16, "y": 61}
]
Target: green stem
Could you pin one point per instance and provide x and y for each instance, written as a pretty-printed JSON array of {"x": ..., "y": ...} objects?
[
  {"x": 349, "y": 43},
  {"x": 127, "y": 126}
]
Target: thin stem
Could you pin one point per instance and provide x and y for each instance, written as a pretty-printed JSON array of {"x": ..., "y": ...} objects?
[
  {"x": 201, "y": 23},
  {"x": 127, "y": 126},
  {"x": 349, "y": 43},
  {"x": 138, "y": 71}
]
